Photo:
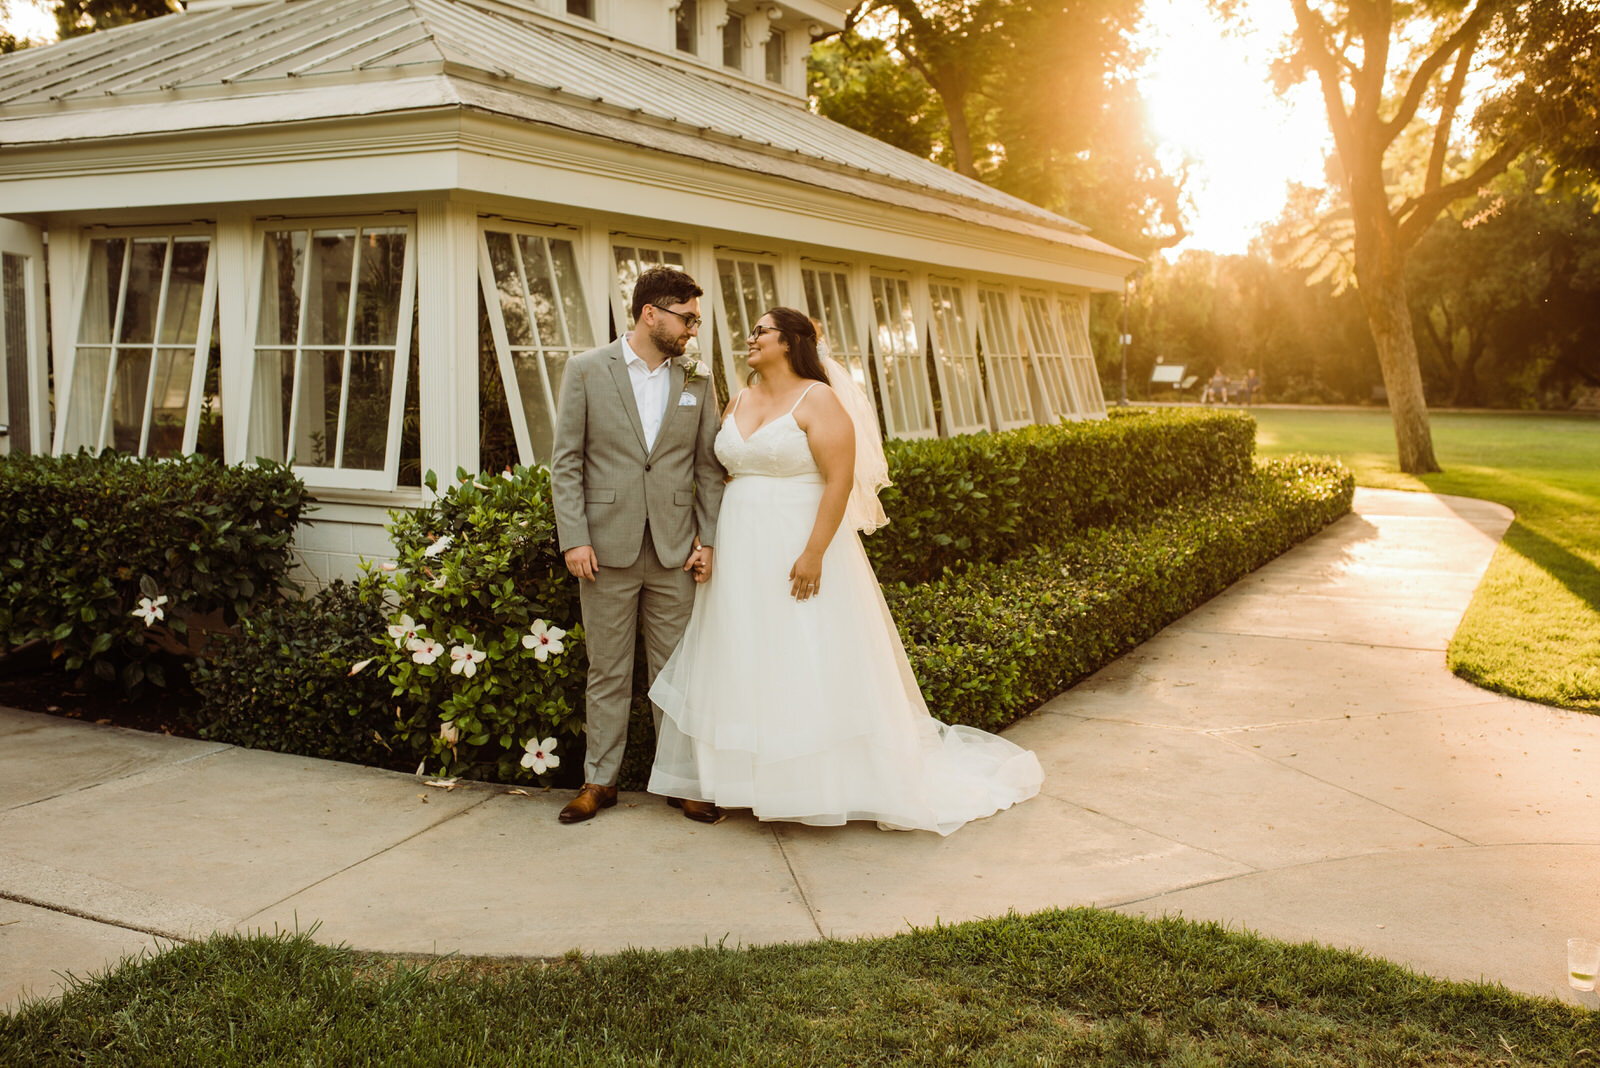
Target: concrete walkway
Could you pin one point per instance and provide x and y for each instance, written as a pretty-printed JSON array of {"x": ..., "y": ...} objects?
[{"x": 1293, "y": 757}]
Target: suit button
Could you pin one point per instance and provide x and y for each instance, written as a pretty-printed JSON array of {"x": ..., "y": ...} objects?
[{"x": 647, "y": 467}]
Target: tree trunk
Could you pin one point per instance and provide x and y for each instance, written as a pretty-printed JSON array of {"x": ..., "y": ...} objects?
[
  {"x": 1467, "y": 394},
  {"x": 1383, "y": 295}
]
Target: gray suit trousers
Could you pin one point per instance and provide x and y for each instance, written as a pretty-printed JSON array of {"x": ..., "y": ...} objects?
[{"x": 615, "y": 605}]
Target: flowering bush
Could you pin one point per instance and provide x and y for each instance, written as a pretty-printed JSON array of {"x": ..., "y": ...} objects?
[{"x": 482, "y": 647}]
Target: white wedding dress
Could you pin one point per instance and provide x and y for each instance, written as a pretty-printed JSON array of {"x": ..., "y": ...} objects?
[{"x": 809, "y": 711}]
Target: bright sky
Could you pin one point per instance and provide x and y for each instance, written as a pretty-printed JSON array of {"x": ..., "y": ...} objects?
[
  {"x": 1210, "y": 95},
  {"x": 31, "y": 19}
]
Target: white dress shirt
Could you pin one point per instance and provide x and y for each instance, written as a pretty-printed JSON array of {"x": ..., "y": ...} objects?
[{"x": 650, "y": 392}]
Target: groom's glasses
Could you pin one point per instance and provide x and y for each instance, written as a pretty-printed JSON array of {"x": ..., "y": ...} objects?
[{"x": 690, "y": 321}]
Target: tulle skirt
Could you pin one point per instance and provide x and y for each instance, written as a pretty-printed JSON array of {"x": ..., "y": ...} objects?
[{"x": 809, "y": 711}]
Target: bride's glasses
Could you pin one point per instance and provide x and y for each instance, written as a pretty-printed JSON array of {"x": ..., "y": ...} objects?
[{"x": 755, "y": 334}]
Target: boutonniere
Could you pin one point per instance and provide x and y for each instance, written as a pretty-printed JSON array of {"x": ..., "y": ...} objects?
[{"x": 693, "y": 369}]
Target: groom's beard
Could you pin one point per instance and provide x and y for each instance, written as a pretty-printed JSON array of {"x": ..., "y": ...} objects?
[{"x": 665, "y": 342}]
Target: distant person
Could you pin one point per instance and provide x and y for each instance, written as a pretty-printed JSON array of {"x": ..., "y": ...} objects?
[
  {"x": 1252, "y": 386},
  {"x": 1216, "y": 391}
]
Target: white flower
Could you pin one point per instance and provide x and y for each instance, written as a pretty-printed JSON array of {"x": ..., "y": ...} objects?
[
  {"x": 540, "y": 756},
  {"x": 388, "y": 565},
  {"x": 402, "y": 631},
  {"x": 149, "y": 610},
  {"x": 358, "y": 665},
  {"x": 439, "y": 546},
  {"x": 424, "y": 650},
  {"x": 508, "y": 476},
  {"x": 480, "y": 485},
  {"x": 438, "y": 582},
  {"x": 450, "y": 733},
  {"x": 464, "y": 660},
  {"x": 544, "y": 640}
]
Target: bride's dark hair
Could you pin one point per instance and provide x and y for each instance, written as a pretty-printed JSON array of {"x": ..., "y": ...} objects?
[{"x": 800, "y": 334}]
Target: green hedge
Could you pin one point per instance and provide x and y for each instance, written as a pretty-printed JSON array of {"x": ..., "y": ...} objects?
[
  {"x": 85, "y": 539},
  {"x": 992, "y": 641},
  {"x": 283, "y": 681},
  {"x": 984, "y": 497}
]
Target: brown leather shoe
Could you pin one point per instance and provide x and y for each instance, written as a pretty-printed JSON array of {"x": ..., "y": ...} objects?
[
  {"x": 700, "y": 811},
  {"x": 591, "y": 799}
]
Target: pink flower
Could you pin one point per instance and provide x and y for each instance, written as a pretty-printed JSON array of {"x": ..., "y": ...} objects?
[{"x": 424, "y": 650}]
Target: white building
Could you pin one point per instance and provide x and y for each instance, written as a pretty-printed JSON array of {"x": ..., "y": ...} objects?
[{"x": 291, "y": 228}]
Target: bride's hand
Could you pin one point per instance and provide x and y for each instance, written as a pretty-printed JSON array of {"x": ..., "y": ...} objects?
[{"x": 805, "y": 577}]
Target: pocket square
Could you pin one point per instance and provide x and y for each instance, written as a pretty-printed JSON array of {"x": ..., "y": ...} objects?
[{"x": 685, "y": 399}]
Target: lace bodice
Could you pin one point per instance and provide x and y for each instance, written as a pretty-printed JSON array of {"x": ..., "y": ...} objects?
[{"x": 778, "y": 449}]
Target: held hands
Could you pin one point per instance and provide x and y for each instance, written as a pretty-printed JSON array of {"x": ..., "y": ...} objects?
[
  {"x": 699, "y": 562},
  {"x": 581, "y": 562},
  {"x": 805, "y": 577}
]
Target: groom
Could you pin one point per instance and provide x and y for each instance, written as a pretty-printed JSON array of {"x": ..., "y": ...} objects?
[{"x": 636, "y": 488}]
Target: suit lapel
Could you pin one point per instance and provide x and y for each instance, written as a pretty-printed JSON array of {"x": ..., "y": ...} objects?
[
  {"x": 674, "y": 391},
  {"x": 624, "y": 383}
]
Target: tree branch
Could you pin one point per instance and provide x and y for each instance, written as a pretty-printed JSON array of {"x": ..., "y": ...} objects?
[
  {"x": 1314, "y": 34},
  {"x": 1466, "y": 36},
  {"x": 1416, "y": 214},
  {"x": 1447, "y": 117}
]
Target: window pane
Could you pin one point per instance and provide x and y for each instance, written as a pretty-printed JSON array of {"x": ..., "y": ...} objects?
[
  {"x": 541, "y": 292},
  {"x": 535, "y": 404},
  {"x": 733, "y": 42},
  {"x": 580, "y": 335},
  {"x": 170, "y": 403},
  {"x": 366, "y": 421},
  {"x": 775, "y": 57},
  {"x": 317, "y": 435},
  {"x": 582, "y": 8},
  {"x": 282, "y": 266},
  {"x": 127, "y": 406},
  {"x": 508, "y": 287},
  {"x": 808, "y": 282},
  {"x": 14, "y": 347},
  {"x": 208, "y": 435},
  {"x": 146, "y": 266},
  {"x": 186, "y": 287},
  {"x": 89, "y": 374},
  {"x": 688, "y": 28},
  {"x": 271, "y": 397},
  {"x": 383, "y": 262},
  {"x": 104, "y": 288},
  {"x": 328, "y": 294}
]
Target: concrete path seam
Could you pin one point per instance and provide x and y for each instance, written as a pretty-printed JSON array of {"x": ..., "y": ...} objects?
[
  {"x": 128, "y": 778},
  {"x": 104, "y": 921},
  {"x": 1352, "y": 793},
  {"x": 1305, "y": 638},
  {"x": 370, "y": 856},
  {"x": 799, "y": 887},
  {"x": 1156, "y": 834}
]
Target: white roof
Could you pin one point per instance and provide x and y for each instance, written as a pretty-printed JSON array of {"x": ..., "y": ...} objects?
[{"x": 300, "y": 59}]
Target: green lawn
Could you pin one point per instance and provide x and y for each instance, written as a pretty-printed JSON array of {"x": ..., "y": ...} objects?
[
  {"x": 1533, "y": 628},
  {"x": 1078, "y": 988}
]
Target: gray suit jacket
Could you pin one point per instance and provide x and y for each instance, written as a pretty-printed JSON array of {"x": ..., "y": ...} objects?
[{"x": 605, "y": 485}]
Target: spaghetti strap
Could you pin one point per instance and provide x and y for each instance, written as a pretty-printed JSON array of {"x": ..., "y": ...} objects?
[{"x": 802, "y": 397}]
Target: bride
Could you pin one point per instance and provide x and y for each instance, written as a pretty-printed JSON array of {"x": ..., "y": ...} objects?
[{"x": 791, "y": 694}]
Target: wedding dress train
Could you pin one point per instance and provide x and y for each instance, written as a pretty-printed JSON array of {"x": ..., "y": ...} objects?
[{"x": 809, "y": 711}]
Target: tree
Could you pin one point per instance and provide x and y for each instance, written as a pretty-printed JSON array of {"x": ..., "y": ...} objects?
[
  {"x": 1035, "y": 97},
  {"x": 1387, "y": 69},
  {"x": 74, "y": 18}
]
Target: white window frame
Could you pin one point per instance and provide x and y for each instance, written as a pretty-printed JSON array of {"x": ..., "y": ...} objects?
[
  {"x": 847, "y": 336},
  {"x": 742, "y": 48},
  {"x": 1049, "y": 353},
  {"x": 505, "y": 357},
  {"x": 102, "y": 433},
  {"x": 694, "y": 31},
  {"x": 386, "y": 478},
  {"x": 904, "y": 416},
  {"x": 1074, "y": 309},
  {"x": 733, "y": 333},
  {"x": 1010, "y": 403},
  {"x": 950, "y": 302},
  {"x": 622, "y": 291},
  {"x": 28, "y": 435}
]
